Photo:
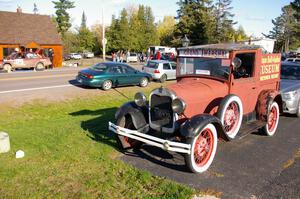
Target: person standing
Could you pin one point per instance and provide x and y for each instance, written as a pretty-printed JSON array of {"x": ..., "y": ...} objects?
[
  {"x": 113, "y": 55},
  {"x": 51, "y": 54},
  {"x": 122, "y": 57}
]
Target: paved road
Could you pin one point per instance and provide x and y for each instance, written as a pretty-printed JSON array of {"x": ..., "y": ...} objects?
[
  {"x": 253, "y": 167},
  {"x": 23, "y": 86}
]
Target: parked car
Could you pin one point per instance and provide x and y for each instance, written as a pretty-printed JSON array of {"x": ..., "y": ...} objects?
[
  {"x": 290, "y": 88},
  {"x": 67, "y": 57},
  {"x": 294, "y": 60},
  {"x": 161, "y": 70},
  {"x": 218, "y": 86},
  {"x": 75, "y": 56},
  {"x": 88, "y": 55},
  {"x": 25, "y": 61},
  {"x": 131, "y": 57},
  {"x": 110, "y": 74}
]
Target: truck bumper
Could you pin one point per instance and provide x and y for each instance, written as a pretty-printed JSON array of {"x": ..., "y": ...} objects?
[{"x": 151, "y": 140}]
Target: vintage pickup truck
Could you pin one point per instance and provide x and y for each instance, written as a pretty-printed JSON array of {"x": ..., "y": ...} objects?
[{"x": 223, "y": 91}]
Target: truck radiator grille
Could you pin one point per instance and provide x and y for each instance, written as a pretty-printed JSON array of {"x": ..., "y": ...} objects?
[{"x": 161, "y": 111}]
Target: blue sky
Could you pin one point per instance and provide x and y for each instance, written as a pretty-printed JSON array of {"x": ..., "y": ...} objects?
[{"x": 254, "y": 15}]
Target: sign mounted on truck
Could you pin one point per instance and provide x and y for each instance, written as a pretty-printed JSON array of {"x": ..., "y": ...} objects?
[
  {"x": 204, "y": 53},
  {"x": 270, "y": 67}
]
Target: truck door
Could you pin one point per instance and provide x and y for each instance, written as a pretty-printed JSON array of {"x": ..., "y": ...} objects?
[{"x": 245, "y": 81}]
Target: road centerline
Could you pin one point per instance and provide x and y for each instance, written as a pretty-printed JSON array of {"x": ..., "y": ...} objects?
[{"x": 38, "y": 88}]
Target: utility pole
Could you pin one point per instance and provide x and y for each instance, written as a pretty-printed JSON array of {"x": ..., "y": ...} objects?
[{"x": 103, "y": 35}]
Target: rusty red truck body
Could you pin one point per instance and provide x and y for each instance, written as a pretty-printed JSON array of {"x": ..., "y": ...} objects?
[{"x": 223, "y": 91}]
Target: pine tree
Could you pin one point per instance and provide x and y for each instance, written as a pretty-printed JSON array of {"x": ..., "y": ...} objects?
[
  {"x": 284, "y": 30},
  {"x": 224, "y": 22},
  {"x": 62, "y": 16},
  {"x": 83, "y": 21},
  {"x": 296, "y": 6},
  {"x": 195, "y": 19}
]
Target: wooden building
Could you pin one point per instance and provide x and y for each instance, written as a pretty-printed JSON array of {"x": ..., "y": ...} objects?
[{"x": 29, "y": 31}]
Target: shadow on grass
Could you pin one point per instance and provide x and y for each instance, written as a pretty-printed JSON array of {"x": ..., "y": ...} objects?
[{"x": 97, "y": 127}]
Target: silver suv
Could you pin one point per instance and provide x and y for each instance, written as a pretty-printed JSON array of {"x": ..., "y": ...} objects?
[{"x": 161, "y": 70}]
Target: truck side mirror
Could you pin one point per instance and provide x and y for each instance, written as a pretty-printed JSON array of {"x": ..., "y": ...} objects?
[{"x": 236, "y": 63}]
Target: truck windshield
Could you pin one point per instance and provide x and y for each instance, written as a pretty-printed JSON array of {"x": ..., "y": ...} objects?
[{"x": 215, "y": 67}]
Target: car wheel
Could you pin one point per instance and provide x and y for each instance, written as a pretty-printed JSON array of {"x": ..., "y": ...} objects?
[
  {"x": 203, "y": 149},
  {"x": 272, "y": 120},
  {"x": 163, "y": 78},
  {"x": 125, "y": 142},
  {"x": 107, "y": 84},
  {"x": 230, "y": 112},
  {"x": 7, "y": 68},
  {"x": 39, "y": 67},
  {"x": 144, "y": 82},
  {"x": 298, "y": 110}
]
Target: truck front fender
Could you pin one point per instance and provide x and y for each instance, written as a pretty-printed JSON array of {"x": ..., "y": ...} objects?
[
  {"x": 137, "y": 114},
  {"x": 192, "y": 127},
  {"x": 264, "y": 102}
]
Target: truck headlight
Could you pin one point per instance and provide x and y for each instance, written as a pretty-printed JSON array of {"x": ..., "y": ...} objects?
[
  {"x": 140, "y": 99},
  {"x": 178, "y": 105},
  {"x": 289, "y": 95}
]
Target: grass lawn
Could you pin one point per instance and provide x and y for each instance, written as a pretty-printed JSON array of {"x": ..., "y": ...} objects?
[{"x": 69, "y": 153}]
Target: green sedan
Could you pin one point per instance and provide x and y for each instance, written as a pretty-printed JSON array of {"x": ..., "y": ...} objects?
[{"x": 111, "y": 74}]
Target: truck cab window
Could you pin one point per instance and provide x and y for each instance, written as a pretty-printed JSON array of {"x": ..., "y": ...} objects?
[{"x": 247, "y": 66}]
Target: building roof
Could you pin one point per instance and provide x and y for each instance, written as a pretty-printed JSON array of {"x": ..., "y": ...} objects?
[
  {"x": 227, "y": 47},
  {"x": 22, "y": 29}
]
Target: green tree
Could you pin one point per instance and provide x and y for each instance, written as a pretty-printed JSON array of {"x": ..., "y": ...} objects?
[
  {"x": 284, "y": 30},
  {"x": 223, "y": 21},
  {"x": 165, "y": 30},
  {"x": 239, "y": 35},
  {"x": 86, "y": 38},
  {"x": 150, "y": 30},
  {"x": 70, "y": 42},
  {"x": 62, "y": 16},
  {"x": 296, "y": 6},
  {"x": 196, "y": 20}
]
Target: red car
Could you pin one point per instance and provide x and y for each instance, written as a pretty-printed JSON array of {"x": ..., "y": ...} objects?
[
  {"x": 23, "y": 61},
  {"x": 223, "y": 91}
]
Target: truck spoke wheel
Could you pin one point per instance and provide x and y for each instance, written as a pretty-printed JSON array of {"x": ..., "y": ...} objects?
[
  {"x": 273, "y": 120},
  {"x": 203, "y": 149},
  {"x": 125, "y": 142},
  {"x": 230, "y": 113}
]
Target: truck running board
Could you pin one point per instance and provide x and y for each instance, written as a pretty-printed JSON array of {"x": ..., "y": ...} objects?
[{"x": 151, "y": 140}]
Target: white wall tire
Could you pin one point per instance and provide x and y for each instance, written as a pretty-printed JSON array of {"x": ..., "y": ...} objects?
[
  {"x": 272, "y": 120},
  {"x": 230, "y": 113},
  {"x": 203, "y": 149},
  {"x": 7, "y": 68}
]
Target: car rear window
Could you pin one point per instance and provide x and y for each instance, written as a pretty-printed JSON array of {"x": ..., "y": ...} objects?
[
  {"x": 152, "y": 65},
  {"x": 291, "y": 72},
  {"x": 132, "y": 54},
  {"x": 99, "y": 67}
]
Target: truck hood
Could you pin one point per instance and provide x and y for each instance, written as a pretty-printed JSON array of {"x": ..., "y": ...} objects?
[
  {"x": 200, "y": 93},
  {"x": 287, "y": 85}
]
